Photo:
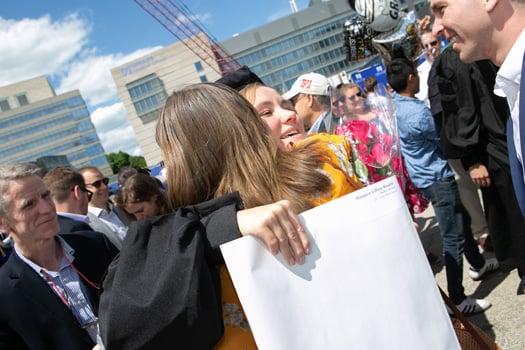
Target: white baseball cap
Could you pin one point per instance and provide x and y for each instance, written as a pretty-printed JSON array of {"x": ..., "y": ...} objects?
[{"x": 311, "y": 83}]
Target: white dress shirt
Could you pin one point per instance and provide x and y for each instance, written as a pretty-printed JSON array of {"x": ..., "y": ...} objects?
[{"x": 111, "y": 219}]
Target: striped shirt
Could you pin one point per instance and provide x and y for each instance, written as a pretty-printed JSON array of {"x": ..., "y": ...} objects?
[{"x": 66, "y": 284}]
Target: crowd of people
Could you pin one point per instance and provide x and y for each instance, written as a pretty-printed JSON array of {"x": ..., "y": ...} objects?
[{"x": 143, "y": 270}]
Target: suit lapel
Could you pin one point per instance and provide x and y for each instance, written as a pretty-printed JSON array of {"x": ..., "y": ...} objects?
[
  {"x": 522, "y": 107},
  {"x": 516, "y": 170},
  {"x": 33, "y": 288},
  {"x": 517, "y": 174},
  {"x": 40, "y": 299}
]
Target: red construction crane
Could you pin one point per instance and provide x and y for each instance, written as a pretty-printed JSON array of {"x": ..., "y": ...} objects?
[{"x": 182, "y": 25}]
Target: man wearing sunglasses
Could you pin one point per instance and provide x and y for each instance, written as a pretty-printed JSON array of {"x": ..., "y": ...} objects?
[
  {"x": 71, "y": 198},
  {"x": 432, "y": 46},
  {"x": 103, "y": 216}
]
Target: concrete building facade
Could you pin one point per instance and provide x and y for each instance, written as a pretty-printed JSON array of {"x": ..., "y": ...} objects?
[
  {"x": 145, "y": 83},
  {"x": 37, "y": 124}
]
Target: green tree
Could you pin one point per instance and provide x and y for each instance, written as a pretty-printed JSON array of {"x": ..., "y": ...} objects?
[
  {"x": 122, "y": 159},
  {"x": 137, "y": 162}
]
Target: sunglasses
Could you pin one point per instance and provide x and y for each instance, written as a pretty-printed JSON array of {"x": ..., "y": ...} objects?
[
  {"x": 342, "y": 99},
  {"x": 432, "y": 43},
  {"x": 97, "y": 183},
  {"x": 83, "y": 189}
]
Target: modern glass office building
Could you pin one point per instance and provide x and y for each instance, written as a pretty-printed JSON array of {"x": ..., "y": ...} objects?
[
  {"x": 307, "y": 41},
  {"x": 310, "y": 40},
  {"x": 37, "y": 124}
]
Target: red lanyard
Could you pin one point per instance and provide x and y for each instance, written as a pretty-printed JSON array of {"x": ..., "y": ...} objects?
[
  {"x": 92, "y": 284},
  {"x": 62, "y": 292}
]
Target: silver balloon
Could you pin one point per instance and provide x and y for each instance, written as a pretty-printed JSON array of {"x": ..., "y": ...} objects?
[{"x": 402, "y": 41}]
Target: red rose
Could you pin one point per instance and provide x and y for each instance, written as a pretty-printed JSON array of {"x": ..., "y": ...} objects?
[
  {"x": 359, "y": 129},
  {"x": 381, "y": 154}
]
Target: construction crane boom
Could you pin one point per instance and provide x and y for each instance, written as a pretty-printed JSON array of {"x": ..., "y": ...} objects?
[{"x": 179, "y": 23}]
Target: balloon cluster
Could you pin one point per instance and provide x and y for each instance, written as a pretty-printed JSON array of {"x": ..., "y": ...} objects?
[
  {"x": 403, "y": 41},
  {"x": 380, "y": 27},
  {"x": 357, "y": 38}
]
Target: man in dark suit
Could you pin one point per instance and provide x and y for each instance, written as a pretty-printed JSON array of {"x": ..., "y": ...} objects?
[
  {"x": 495, "y": 31},
  {"x": 472, "y": 120},
  {"x": 50, "y": 282},
  {"x": 71, "y": 197}
]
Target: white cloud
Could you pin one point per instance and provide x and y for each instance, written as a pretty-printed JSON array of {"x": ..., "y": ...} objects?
[
  {"x": 114, "y": 130},
  {"x": 279, "y": 13},
  {"x": 30, "y": 47},
  {"x": 60, "y": 50},
  {"x": 286, "y": 10}
]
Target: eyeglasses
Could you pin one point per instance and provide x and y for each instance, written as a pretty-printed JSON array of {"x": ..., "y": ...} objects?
[
  {"x": 339, "y": 100},
  {"x": 295, "y": 99},
  {"x": 432, "y": 43},
  {"x": 89, "y": 193},
  {"x": 97, "y": 183},
  {"x": 83, "y": 189},
  {"x": 352, "y": 98}
]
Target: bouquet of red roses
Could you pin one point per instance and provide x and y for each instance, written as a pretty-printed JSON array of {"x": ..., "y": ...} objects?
[
  {"x": 375, "y": 153},
  {"x": 372, "y": 132}
]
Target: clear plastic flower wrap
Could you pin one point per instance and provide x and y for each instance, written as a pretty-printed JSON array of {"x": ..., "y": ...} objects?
[
  {"x": 372, "y": 130},
  {"x": 370, "y": 126}
]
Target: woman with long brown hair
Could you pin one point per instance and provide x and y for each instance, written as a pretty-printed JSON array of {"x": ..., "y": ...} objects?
[{"x": 214, "y": 142}]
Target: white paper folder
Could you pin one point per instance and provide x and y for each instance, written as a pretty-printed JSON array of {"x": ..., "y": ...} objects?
[{"x": 367, "y": 283}]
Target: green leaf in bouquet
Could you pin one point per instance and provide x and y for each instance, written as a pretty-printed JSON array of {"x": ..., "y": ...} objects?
[{"x": 361, "y": 170}]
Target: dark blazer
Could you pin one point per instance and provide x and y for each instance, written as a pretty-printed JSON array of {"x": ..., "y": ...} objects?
[
  {"x": 515, "y": 167},
  {"x": 68, "y": 225},
  {"x": 31, "y": 314}
]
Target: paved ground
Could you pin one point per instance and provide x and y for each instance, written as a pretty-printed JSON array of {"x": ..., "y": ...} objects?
[{"x": 505, "y": 320}]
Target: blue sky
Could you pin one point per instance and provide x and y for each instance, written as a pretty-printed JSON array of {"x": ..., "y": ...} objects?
[{"x": 76, "y": 43}]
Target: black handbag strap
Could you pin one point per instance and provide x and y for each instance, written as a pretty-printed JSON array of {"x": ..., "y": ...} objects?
[{"x": 482, "y": 342}]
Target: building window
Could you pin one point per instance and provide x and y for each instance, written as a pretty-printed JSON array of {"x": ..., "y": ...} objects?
[
  {"x": 22, "y": 100},
  {"x": 4, "y": 105},
  {"x": 203, "y": 79},
  {"x": 198, "y": 66},
  {"x": 147, "y": 95}
]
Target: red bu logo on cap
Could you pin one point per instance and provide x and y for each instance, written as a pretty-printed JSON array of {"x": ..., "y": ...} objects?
[{"x": 306, "y": 83}]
